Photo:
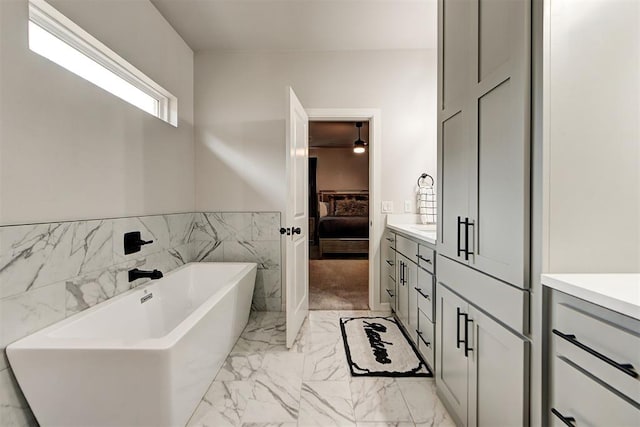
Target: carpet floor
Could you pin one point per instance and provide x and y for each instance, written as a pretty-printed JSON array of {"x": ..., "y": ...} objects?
[{"x": 339, "y": 284}]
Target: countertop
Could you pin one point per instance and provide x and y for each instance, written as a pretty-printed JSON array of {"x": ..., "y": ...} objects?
[
  {"x": 426, "y": 233},
  {"x": 617, "y": 292}
]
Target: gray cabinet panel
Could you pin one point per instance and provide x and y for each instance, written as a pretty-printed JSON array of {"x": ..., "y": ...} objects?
[
  {"x": 425, "y": 342},
  {"x": 589, "y": 402},
  {"x": 506, "y": 303},
  {"x": 455, "y": 151},
  {"x": 425, "y": 295},
  {"x": 402, "y": 287},
  {"x": 495, "y": 19},
  {"x": 388, "y": 269},
  {"x": 500, "y": 218},
  {"x": 412, "y": 284},
  {"x": 498, "y": 373},
  {"x": 454, "y": 41},
  {"x": 452, "y": 376}
]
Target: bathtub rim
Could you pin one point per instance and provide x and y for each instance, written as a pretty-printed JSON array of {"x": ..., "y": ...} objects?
[{"x": 41, "y": 339}]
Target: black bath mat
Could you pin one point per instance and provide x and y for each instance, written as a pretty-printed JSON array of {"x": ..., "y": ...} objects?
[{"x": 378, "y": 347}]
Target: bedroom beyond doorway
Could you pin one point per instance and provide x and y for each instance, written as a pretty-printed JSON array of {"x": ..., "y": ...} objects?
[{"x": 338, "y": 215}]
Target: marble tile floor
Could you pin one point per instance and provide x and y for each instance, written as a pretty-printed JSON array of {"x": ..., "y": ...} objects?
[{"x": 262, "y": 383}]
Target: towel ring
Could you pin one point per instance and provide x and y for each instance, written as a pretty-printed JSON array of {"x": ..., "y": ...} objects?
[{"x": 423, "y": 176}]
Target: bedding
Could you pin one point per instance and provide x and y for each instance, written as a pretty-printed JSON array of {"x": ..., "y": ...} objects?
[{"x": 344, "y": 227}]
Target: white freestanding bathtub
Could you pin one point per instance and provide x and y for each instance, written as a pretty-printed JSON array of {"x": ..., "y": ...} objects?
[{"x": 144, "y": 358}]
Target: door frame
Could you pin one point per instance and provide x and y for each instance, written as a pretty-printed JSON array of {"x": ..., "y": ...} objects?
[{"x": 373, "y": 116}]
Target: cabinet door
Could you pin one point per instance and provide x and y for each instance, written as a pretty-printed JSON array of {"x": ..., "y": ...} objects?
[
  {"x": 412, "y": 285},
  {"x": 455, "y": 140},
  {"x": 402, "y": 295},
  {"x": 497, "y": 373},
  {"x": 500, "y": 119},
  {"x": 454, "y": 171},
  {"x": 452, "y": 373}
]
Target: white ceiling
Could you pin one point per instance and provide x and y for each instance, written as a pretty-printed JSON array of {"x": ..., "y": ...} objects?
[{"x": 303, "y": 24}]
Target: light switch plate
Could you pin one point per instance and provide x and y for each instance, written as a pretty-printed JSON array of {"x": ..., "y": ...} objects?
[
  {"x": 387, "y": 207},
  {"x": 407, "y": 206}
]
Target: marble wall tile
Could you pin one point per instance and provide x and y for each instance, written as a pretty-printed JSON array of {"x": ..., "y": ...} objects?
[
  {"x": 180, "y": 228},
  {"x": 203, "y": 251},
  {"x": 225, "y": 226},
  {"x": 14, "y": 410},
  {"x": 268, "y": 284},
  {"x": 28, "y": 312},
  {"x": 265, "y": 226},
  {"x": 86, "y": 291},
  {"x": 265, "y": 254},
  {"x": 37, "y": 255}
]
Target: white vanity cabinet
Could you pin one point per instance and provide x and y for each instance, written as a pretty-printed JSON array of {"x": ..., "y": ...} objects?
[
  {"x": 594, "y": 364},
  {"x": 405, "y": 274},
  {"x": 415, "y": 262},
  {"x": 388, "y": 270}
]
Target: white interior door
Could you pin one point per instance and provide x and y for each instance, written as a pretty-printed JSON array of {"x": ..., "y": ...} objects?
[{"x": 297, "y": 245}]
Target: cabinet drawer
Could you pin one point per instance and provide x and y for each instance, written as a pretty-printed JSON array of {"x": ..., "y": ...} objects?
[
  {"x": 599, "y": 347},
  {"x": 590, "y": 403},
  {"x": 390, "y": 239},
  {"x": 425, "y": 293},
  {"x": 389, "y": 264},
  {"x": 426, "y": 258},
  {"x": 425, "y": 338},
  {"x": 390, "y": 293},
  {"x": 407, "y": 247}
]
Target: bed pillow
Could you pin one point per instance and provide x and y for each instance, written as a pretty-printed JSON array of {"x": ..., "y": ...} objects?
[
  {"x": 323, "y": 209},
  {"x": 352, "y": 207}
]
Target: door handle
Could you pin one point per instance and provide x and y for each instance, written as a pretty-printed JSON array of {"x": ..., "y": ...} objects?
[
  {"x": 427, "y": 260},
  {"x": 458, "y": 314},
  {"x": 427, "y": 343},
  {"x": 426, "y": 296},
  {"x": 458, "y": 235},
  {"x": 627, "y": 368},
  {"x": 467, "y": 223},
  {"x": 466, "y": 239},
  {"x": 570, "y": 421},
  {"x": 296, "y": 230},
  {"x": 467, "y": 349},
  {"x": 285, "y": 230}
]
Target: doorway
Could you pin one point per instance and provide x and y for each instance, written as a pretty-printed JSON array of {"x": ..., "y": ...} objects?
[{"x": 339, "y": 215}]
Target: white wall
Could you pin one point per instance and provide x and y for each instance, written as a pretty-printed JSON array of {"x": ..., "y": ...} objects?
[
  {"x": 70, "y": 150},
  {"x": 341, "y": 169},
  {"x": 240, "y": 110},
  {"x": 593, "y": 142}
]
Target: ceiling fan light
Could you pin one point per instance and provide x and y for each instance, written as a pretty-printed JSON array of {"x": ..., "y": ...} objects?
[{"x": 359, "y": 144}]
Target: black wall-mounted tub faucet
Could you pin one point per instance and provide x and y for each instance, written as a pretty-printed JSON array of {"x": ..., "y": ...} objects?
[
  {"x": 140, "y": 274},
  {"x": 133, "y": 242}
]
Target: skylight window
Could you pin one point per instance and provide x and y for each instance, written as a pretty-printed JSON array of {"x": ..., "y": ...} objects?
[{"x": 58, "y": 39}]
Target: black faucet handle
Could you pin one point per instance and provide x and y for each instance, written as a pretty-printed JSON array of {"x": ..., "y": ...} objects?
[{"x": 133, "y": 242}]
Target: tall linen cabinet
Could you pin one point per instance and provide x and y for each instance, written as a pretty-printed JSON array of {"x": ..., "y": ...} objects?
[{"x": 482, "y": 291}]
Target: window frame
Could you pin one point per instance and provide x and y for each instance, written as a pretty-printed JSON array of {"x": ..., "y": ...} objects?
[{"x": 51, "y": 20}]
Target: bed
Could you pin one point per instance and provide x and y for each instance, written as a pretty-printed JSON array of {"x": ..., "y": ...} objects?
[{"x": 343, "y": 224}]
